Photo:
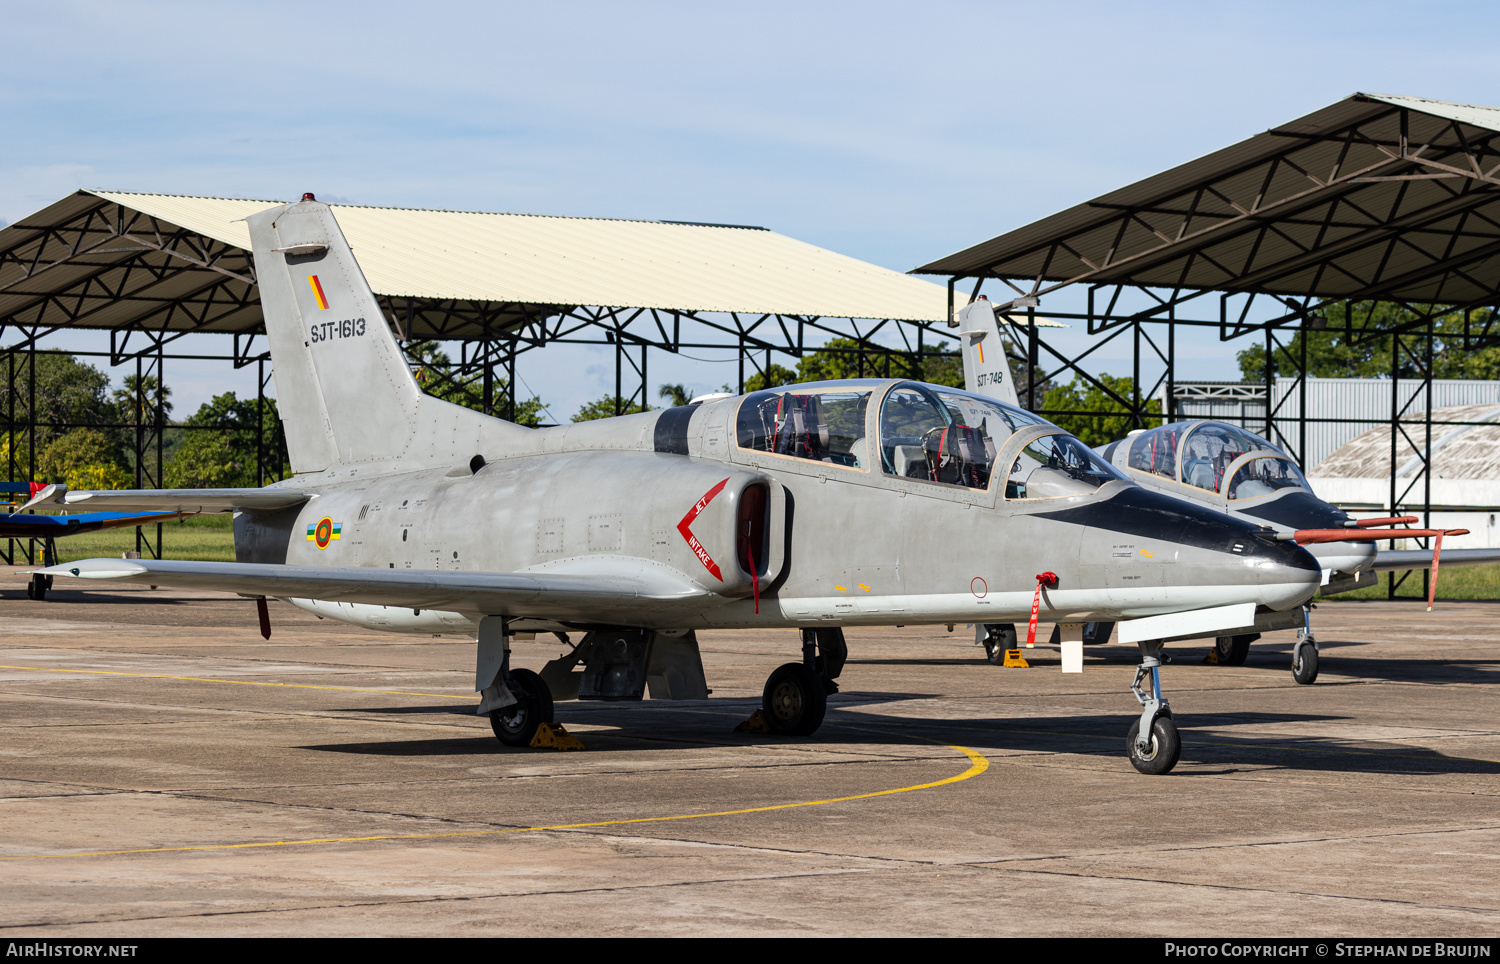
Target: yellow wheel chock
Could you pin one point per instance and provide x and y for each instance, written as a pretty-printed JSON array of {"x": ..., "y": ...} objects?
[
  {"x": 1014, "y": 660},
  {"x": 552, "y": 736},
  {"x": 755, "y": 724}
]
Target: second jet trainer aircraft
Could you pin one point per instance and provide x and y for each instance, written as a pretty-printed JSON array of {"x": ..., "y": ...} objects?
[
  {"x": 814, "y": 506},
  {"x": 1227, "y": 469}
]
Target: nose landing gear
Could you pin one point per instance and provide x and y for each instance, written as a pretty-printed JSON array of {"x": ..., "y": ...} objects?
[
  {"x": 1305, "y": 652},
  {"x": 1153, "y": 742},
  {"x": 796, "y": 695}
]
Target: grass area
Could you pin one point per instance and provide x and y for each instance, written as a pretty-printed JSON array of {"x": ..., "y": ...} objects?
[
  {"x": 1474, "y": 583},
  {"x": 207, "y": 538}
]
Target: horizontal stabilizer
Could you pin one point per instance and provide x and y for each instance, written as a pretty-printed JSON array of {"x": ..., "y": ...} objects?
[
  {"x": 635, "y": 596},
  {"x": 187, "y": 501},
  {"x": 24, "y": 525}
]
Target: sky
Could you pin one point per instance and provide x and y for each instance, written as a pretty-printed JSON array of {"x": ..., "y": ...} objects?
[{"x": 894, "y": 133}]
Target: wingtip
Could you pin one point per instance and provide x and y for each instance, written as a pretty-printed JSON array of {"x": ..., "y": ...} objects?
[
  {"x": 50, "y": 494},
  {"x": 94, "y": 569}
]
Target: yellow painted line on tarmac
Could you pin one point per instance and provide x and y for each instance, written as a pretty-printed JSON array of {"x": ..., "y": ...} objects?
[
  {"x": 977, "y": 765},
  {"x": 244, "y": 682}
]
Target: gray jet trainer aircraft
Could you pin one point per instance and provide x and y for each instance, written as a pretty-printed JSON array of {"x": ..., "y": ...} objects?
[
  {"x": 812, "y": 506},
  {"x": 1232, "y": 471}
]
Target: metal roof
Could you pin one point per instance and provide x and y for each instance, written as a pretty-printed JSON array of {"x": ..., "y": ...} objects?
[
  {"x": 103, "y": 259},
  {"x": 1374, "y": 197},
  {"x": 1470, "y": 451}
]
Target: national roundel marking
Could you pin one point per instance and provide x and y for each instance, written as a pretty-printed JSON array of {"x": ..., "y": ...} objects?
[
  {"x": 979, "y": 587},
  {"x": 323, "y": 534}
]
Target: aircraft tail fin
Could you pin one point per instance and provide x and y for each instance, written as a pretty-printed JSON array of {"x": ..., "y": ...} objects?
[
  {"x": 986, "y": 369},
  {"x": 344, "y": 389}
]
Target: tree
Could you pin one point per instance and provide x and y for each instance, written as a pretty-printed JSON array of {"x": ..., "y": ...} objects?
[
  {"x": 773, "y": 377},
  {"x": 219, "y": 446},
  {"x": 678, "y": 395},
  {"x": 1340, "y": 349},
  {"x": 604, "y": 408},
  {"x": 69, "y": 393},
  {"x": 84, "y": 458},
  {"x": 438, "y": 377},
  {"x": 1083, "y": 397},
  {"x": 132, "y": 405},
  {"x": 842, "y": 358}
]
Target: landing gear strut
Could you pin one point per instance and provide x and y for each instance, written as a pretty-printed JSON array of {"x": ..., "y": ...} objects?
[
  {"x": 997, "y": 638},
  {"x": 1152, "y": 741},
  {"x": 796, "y": 696},
  {"x": 517, "y": 701},
  {"x": 1305, "y": 652},
  {"x": 39, "y": 584}
]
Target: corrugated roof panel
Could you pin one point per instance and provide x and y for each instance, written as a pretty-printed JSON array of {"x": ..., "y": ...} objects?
[
  {"x": 1387, "y": 216},
  {"x": 474, "y": 256}
]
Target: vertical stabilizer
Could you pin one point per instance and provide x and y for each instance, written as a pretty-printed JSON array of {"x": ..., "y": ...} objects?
[
  {"x": 986, "y": 370},
  {"x": 344, "y": 389}
]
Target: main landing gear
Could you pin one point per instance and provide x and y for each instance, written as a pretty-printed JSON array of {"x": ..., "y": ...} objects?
[
  {"x": 516, "y": 724},
  {"x": 517, "y": 701},
  {"x": 1153, "y": 742},
  {"x": 796, "y": 695},
  {"x": 39, "y": 584},
  {"x": 1232, "y": 650}
]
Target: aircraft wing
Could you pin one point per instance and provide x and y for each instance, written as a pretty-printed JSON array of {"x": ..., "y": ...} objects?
[
  {"x": 630, "y": 592},
  {"x": 189, "y": 501},
  {"x": 20, "y": 525},
  {"x": 1399, "y": 560}
]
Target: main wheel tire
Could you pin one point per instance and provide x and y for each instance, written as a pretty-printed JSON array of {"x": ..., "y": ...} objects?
[
  {"x": 998, "y": 638},
  {"x": 516, "y": 725},
  {"x": 1305, "y": 665},
  {"x": 794, "y": 701},
  {"x": 1232, "y": 650},
  {"x": 37, "y": 588},
  {"x": 1166, "y": 747}
]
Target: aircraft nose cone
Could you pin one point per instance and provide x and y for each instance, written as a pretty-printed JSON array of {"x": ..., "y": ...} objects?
[{"x": 1288, "y": 575}]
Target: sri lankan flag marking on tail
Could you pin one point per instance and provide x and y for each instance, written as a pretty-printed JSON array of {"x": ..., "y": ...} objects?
[
  {"x": 317, "y": 288},
  {"x": 979, "y": 345},
  {"x": 324, "y": 532}
]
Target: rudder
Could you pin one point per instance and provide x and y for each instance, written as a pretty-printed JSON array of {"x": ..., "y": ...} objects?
[
  {"x": 986, "y": 369},
  {"x": 344, "y": 389}
]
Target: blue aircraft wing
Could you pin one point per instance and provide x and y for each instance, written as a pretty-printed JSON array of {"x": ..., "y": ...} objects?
[{"x": 19, "y": 525}]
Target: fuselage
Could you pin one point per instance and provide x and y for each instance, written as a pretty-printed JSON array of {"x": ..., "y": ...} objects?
[{"x": 781, "y": 535}]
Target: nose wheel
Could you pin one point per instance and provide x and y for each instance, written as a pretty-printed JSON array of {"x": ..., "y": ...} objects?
[
  {"x": 1305, "y": 652},
  {"x": 1305, "y": 660},
  {"x": 1160, "y": 753},
  {"x": 1152, "y": 741}
]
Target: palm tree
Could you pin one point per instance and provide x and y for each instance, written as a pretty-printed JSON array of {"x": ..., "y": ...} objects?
[{"x": 677, "y": 393}]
